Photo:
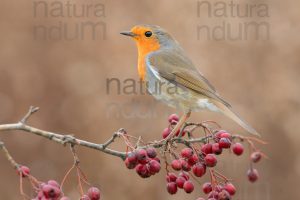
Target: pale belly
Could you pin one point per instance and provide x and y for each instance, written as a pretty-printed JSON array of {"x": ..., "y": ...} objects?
[{"x": 176, "y": 96}]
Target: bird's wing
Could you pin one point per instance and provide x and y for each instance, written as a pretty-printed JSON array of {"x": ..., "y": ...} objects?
[{"x": 178, "y": 69}]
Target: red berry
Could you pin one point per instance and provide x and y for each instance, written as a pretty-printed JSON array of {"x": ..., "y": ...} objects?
[
  {"x": 224, "y": 195},
  {"x": 132, "y": 158},
  {"x": 173, "y": 118},
  {"x": 94, "y": 193},
  {"x": 213, "y": 194},
  {"x": 210, "y": 160},
  {"x": 199, "y": 169},
  {"x": 151, "y": 152},
  {"x": 225, "y": 135},
  {"x": 206, "y": 148},
  {"x": 217, "y": 136},
  {"x": 221, "y": 134},
  {"x": 141, "y": 155},
  {"x": 154, "y": 166},
  {"x": 252, "y": 175},
  {"x": 172, "y": 187},
  {"x": 176, "y": 165},
  {"x": 206, "y": 187},
  {"x": 187, "y": 153},
  {"x": 224, "y": 143},
  {"x": 142, "y": 171},
  {"x": 171, "y": 177},
  {"x": 50, "y": 191},
  {"x": 185, "y": 165},
  {"x": 255, "y": 156},
  {"x": 218, "y": 188},
  {"x": 166, "y": 132},
  {"x": 216, "y": 149},
  {"x": 238, "y": 149},
  {"x": 229, "y": 187},
  {"x": 130, "y": 165},
  {"x": 25, "y": 171},
  {"x": 193, "y": 160},
  {"x": 53, "y": 183},
  {"x": 157, "y": 159},
  {"x": 180, "y": 181},
  {"x": 184, "y": 175},
  {"x": 85, "y": 197},
  {"x": 188, "y": 187}
]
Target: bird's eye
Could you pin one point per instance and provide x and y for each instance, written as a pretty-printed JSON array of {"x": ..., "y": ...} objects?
[{"x": 148, "y": 33}]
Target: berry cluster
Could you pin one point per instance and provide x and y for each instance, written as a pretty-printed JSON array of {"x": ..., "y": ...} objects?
[
  {"x": 49, "y": 190},
  {"x": 218, "y": 192},
  {"x": 195, "y": 160},
  {"x": 181, "y": 181},
  {"x": 52, "y": 190},
  {"x": 144, "y": 161},
  {"x": 93, "y": 193}
]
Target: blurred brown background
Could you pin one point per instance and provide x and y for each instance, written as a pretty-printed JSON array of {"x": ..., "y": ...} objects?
[{"x": 67, "y": 80}]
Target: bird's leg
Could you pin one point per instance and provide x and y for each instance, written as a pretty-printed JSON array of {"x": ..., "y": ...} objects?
[{"x": 179, "y": 124}]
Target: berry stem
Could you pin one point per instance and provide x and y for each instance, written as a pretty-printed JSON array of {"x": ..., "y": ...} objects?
[
  {"x": 21, "y": 187},
  {"x": 79, "y": 182},
  {"x": 218, "y": 174},
  {"x": 8, "y": 156},
  {"x": 213, "y": 181},
  {"x": 66, "y": 175}
]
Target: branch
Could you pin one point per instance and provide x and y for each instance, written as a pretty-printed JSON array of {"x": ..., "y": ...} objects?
[
  {"x": 59, "y": 138},
  {"x": 70, "y": 139}
]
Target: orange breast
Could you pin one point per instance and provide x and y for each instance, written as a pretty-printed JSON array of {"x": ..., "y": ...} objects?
[{"x": 144, "y": 48}]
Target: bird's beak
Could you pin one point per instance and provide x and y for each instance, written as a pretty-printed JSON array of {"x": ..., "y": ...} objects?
[{"x": 128, "y": 33}]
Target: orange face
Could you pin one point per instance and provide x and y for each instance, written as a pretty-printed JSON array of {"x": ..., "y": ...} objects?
[
  {"x": 146, "y": 39},
  {"x": 146, "y": 42}
]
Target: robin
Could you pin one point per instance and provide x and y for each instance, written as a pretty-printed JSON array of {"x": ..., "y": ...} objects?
[{"x": 162, "y": 62}]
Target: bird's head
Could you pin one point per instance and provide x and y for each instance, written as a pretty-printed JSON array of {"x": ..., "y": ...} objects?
[{"x": 150, "y": 37}]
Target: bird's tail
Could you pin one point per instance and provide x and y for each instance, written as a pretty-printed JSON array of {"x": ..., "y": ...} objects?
[{"x": 228, "y": 112}]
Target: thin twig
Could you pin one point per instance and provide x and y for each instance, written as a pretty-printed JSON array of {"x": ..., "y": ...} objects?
[
  {"x": 111, "y": 140},
  {"x": 8, "y": 156},
  {"x": 31, "y": 110}
]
